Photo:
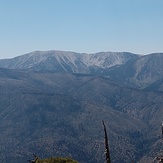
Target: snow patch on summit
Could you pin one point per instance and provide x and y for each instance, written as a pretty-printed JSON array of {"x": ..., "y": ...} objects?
[
  {"x": 69, "y": 61},
  {"x": 105, "y": 60}
]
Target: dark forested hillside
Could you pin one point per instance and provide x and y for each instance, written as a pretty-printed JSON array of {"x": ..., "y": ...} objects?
[{"x": 60, "y": 114}]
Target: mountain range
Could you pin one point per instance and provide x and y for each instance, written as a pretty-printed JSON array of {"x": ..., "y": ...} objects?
[
  {"x": 53, "y": 104},
  {"x": 138, "y": 71},
  {"x": 61, "y": 61}
]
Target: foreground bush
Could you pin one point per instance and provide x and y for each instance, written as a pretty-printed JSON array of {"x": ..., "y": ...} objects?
[{"x": 56, "y": 160}]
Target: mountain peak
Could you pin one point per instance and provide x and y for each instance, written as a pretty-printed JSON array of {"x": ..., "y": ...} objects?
[{"x": 64, "y": 61}]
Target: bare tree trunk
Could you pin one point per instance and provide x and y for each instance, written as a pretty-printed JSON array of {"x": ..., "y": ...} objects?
[
  {"x": 162, "y": 131},
  {"x": 107, "y": 152}
]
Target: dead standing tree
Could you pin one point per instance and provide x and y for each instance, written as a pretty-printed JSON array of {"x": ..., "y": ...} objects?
[
  {"x": 162, "y": 139},
  {"x": 160, "y": 158},
  {"x": 107, "y": 152}
]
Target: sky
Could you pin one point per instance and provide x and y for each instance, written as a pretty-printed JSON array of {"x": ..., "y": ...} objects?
[{"x": 84, "y": 26}]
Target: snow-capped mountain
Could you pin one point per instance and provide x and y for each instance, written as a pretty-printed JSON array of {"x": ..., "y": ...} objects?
[{"x": 61, "y": 61}]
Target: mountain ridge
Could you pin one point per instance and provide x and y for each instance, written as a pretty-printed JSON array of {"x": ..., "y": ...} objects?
[
  {"x": 123, "y": 68},
  {"x": 63, "y": 58}
]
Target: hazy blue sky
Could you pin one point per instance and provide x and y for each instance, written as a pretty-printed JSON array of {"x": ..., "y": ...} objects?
[{"x": 80, "y": 26}]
